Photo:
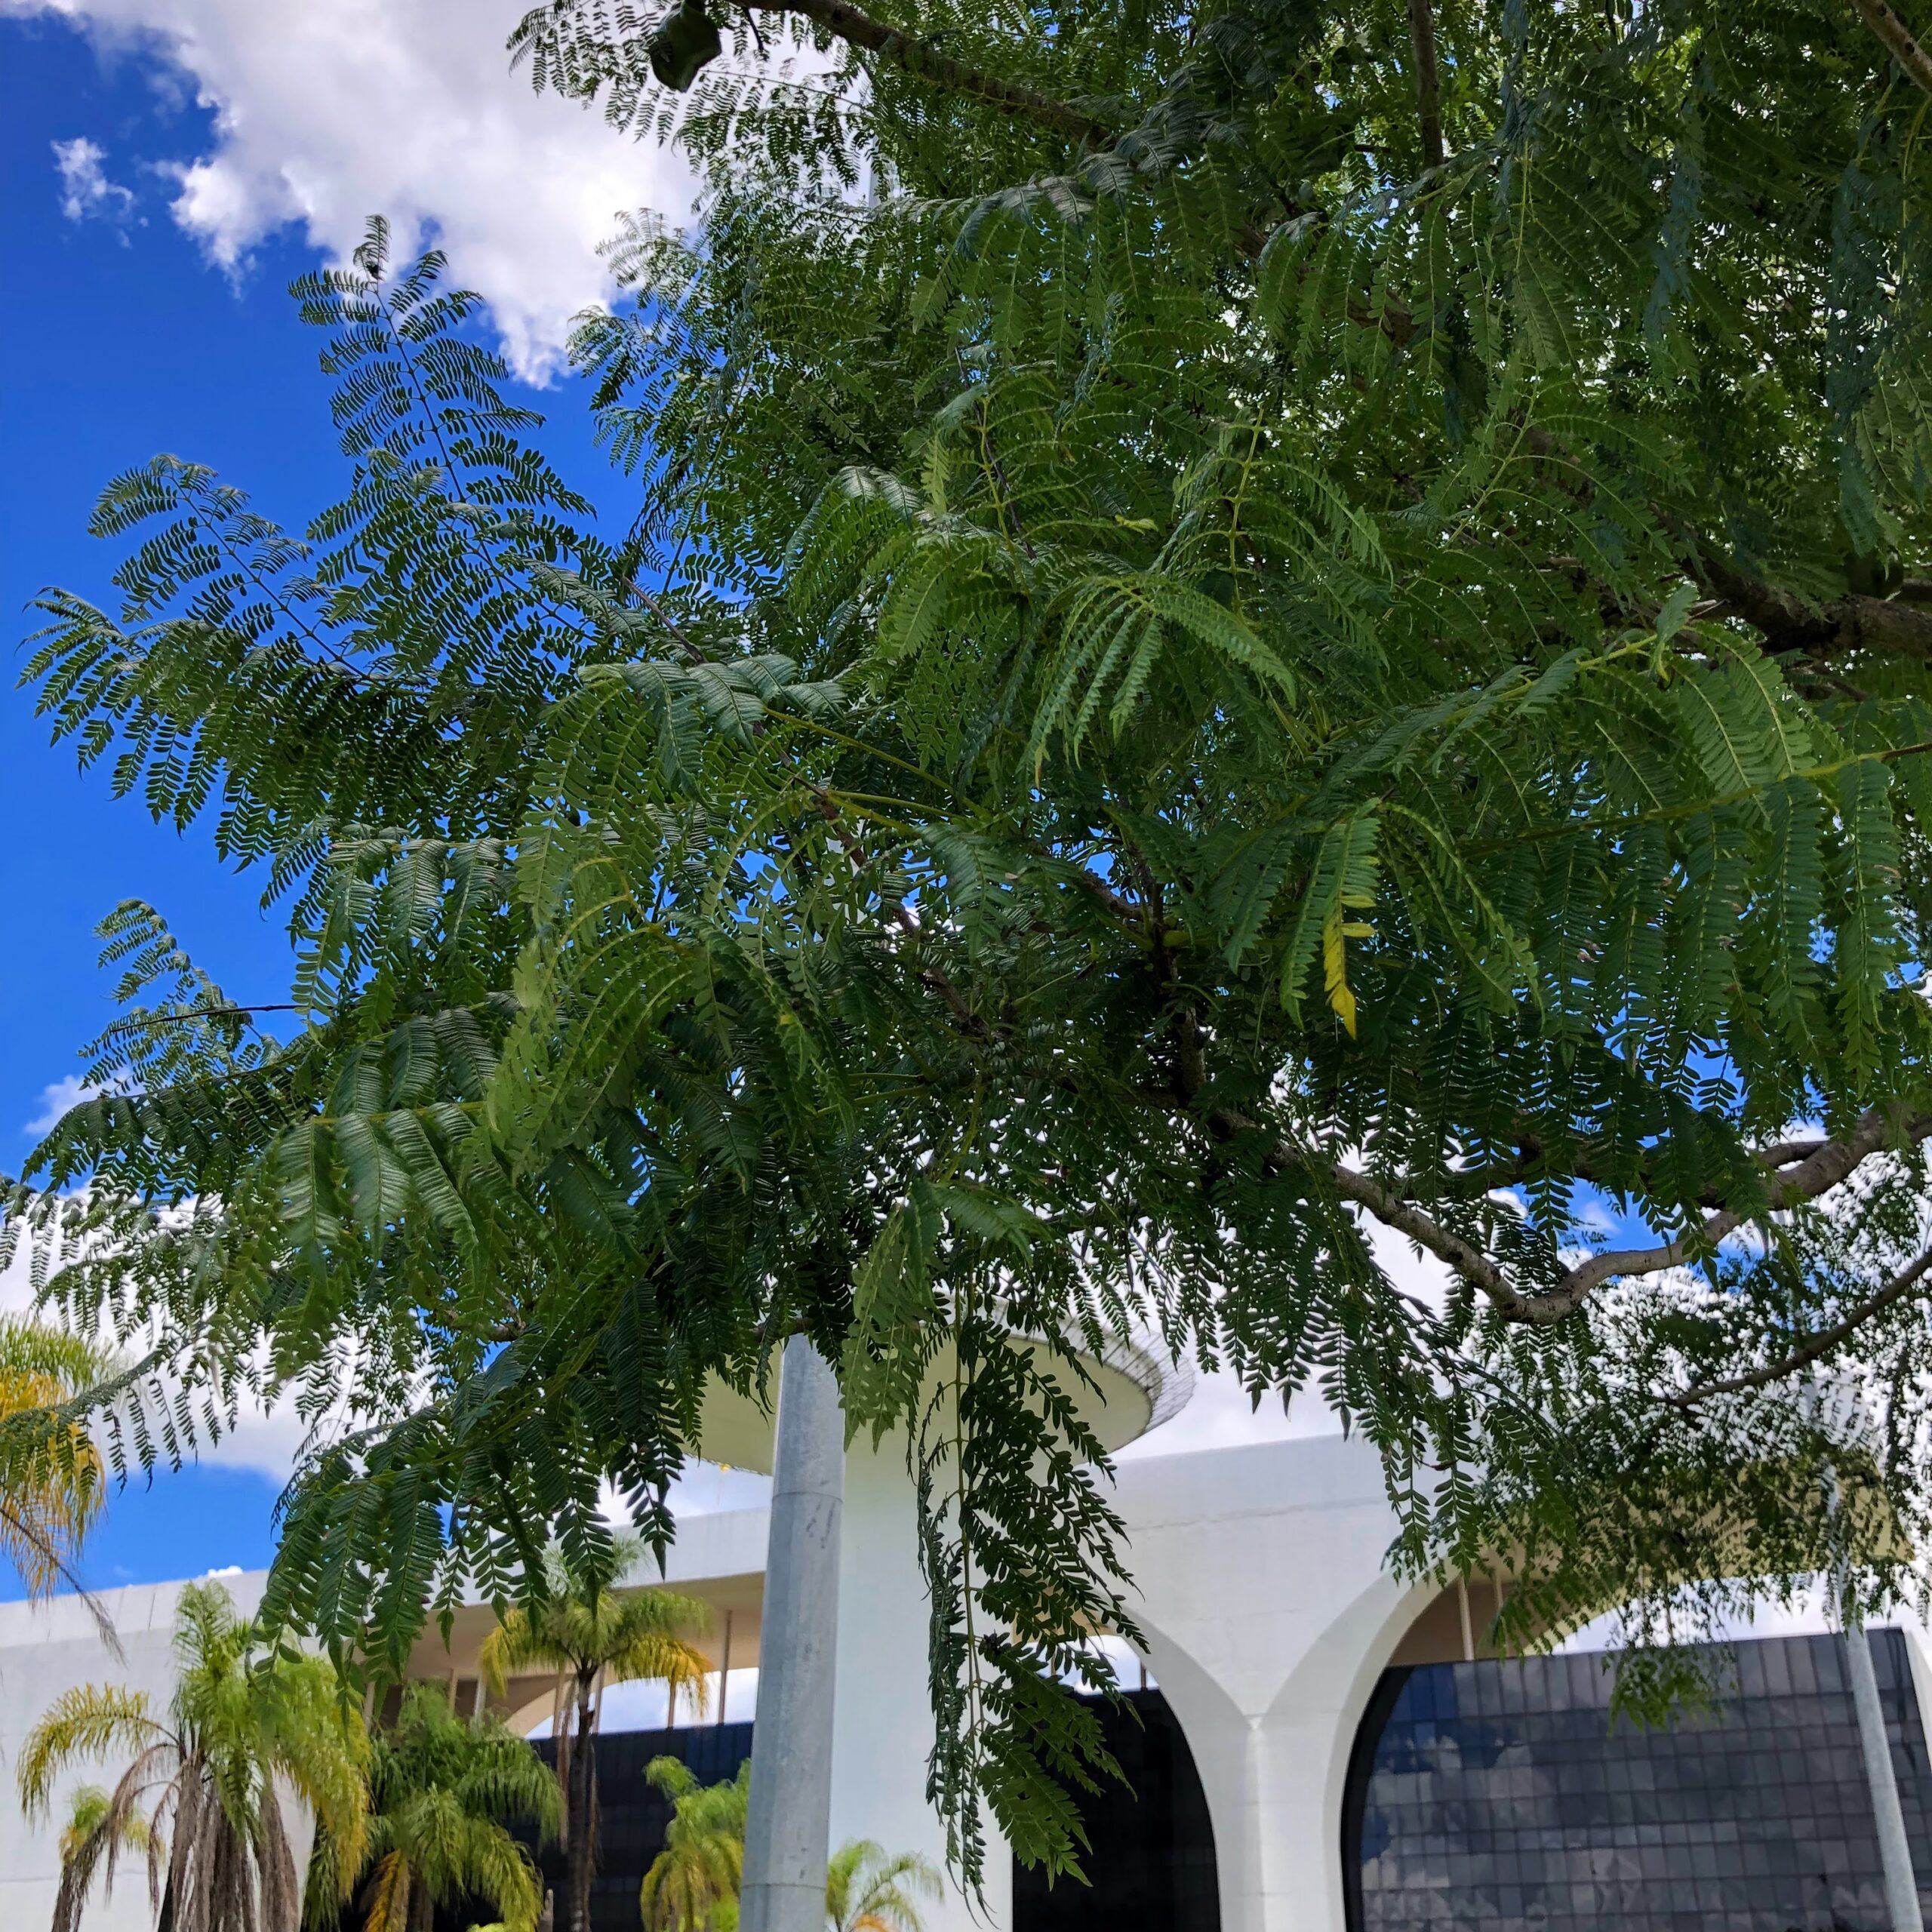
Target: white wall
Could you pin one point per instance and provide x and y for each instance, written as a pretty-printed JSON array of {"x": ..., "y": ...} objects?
[
  {"x": 1259, "y": 1571},
  {"x": 882, "y": 1731},
  {"x": 1269, "y": 1616},
  {"x": 44, "y": 1649}
]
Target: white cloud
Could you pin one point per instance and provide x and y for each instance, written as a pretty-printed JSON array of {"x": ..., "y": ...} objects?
[
  {"x": 85, "y": 190},
  {"x": 265, "y": 1442},
  {"x": 69, "y": 1091},
  {"x": 326, "y": 114}
]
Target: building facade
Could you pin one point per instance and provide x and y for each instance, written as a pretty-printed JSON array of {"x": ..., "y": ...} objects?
[
  {"x": 1319, "y": 1741},
  {"x": 1500, "y": 1794}
]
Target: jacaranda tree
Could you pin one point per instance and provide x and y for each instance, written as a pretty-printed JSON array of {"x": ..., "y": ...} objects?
[{"x": 1254, "y": 637}]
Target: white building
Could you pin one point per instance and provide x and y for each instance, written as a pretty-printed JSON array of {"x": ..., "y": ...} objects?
[{"x": 1259, "y": 1570}]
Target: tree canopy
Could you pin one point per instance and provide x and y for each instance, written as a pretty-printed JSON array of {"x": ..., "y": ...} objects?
[
  {"x": 1253, "y": 636},
  {"x": 444, "y": 1793}
]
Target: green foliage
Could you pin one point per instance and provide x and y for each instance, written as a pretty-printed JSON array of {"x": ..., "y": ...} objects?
[
  {"x": 51, "y": 1470},
  {"x": 443, "y": 1791},
  {"x": 91, "y": 1841},
  {"x": 868, "y": 1888},
  {"x": 591, "y": 1636},
  {"x": 1197, "y": 693},
  {"x": 247, "y": 1720},
  {"x": 589, "y": 1630},
  {"x": 694, "y": 1883}
]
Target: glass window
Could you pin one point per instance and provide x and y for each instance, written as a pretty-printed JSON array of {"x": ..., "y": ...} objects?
[{"x": 1496, "y": 1794}]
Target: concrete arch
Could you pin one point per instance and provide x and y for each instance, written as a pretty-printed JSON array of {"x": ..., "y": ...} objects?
[
  {"x": 1217, "y": 1737},
  {"x": 1270, "y": 1614}
]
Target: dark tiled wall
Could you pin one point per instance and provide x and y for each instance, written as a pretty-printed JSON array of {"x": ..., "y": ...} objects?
[
  {"x": 631, "y": 1816},
  {"x": 1496, "y": 1795},
  {"x": 1152, "y": 1865}
]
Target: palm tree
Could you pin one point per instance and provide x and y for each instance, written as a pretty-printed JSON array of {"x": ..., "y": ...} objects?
[
  {"x": 868, "y": 1890},
  {"x": 86, "y": 1838},
  {"x": 50, "y": 1479},
  {"x": 245, "y": 1724},
  {"x": 693, "y": 1883},
  {"x": 441, "y": 1791},
  {"x": 589, "y": 1635}
]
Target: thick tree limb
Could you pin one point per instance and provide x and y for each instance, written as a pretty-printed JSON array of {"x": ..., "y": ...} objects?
[
  {"x": 1830, "y": 1163},
  {"x": 1896, "y": 39},
  {"x": 1429, "y": 83},
  {"x": 1820, "y": 1344},
  {"x": 1531, "y": 1157},
  {"x": 1850, "y": 623},
  {"x": 1817, "y": 1174},
  {"x": 925, "y": 62}
]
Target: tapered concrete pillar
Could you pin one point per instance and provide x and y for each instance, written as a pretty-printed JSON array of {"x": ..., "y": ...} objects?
[
  {"x": 787, "y": 1834},
  {"x": 1894, "y": 1850},
  {"x": 857, "y": 1755}
]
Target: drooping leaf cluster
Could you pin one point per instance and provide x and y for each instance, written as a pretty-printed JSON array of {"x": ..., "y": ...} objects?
[{"x": 1255, "y": 643}]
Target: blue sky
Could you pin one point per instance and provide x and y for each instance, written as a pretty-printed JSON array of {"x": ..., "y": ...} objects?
[
  {"x": 228, "y": 147},
  {"x": 123, "y": 340}
]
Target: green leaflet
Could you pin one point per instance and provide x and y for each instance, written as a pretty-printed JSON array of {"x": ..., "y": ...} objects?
[
  {"x": 1245, "y": 888},
  {"x": 892, "y": 1298},
  {"x": 1795, "y": 893},
  {"x": 1867, "y": 950},
  {"x": 1746, "y": 733},
  {"x": 1112, "y": 636},
  {"x": 1445, "y": 892}
]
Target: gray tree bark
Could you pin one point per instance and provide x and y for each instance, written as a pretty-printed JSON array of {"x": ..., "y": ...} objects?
[{"x": 787, "y": 1831}]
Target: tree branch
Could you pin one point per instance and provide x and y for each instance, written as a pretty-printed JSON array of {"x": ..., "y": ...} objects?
[
  {"x": 924, "y": 62},
  {"x": 1897, "y": 40},
  {"x": 1428, "y": 86},
  {"x": 901, "y": 915},
  {"x": 139, "y": 1020},
  {"x": 1830, "y": 1163},
  {"x": 1822, "y": 1343},
  {"x": 695, "y": 652},
  {"x": 1850, "y": 623},
  {"x": 1531, "y": 1156}
]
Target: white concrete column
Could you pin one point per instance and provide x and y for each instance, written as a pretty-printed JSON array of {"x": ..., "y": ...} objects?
[
  {"x": 1273, "y": 1787},
  {"x": 882, "y": 1728},
  {"x": 1301, "y": 1758},
  {"x": 1223, "y": 1743},
  {"x": 1894, "y": 1850},
  {"x": 786, "y": 1845},
  {"x": 1270, "y": 1617}
]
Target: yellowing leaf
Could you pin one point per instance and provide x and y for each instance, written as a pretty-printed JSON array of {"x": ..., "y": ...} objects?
[{"x": 1335, "y": 933}]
